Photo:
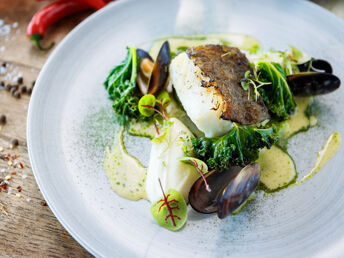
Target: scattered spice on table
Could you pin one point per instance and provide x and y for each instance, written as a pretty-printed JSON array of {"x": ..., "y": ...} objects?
[
  {"x": 3, "y": 209},
  {"x": 5, "y": 183},
  {"x": 13, "y": 81},
  {"x": 3, "y": 119},
  {"x": 17, "y": 94},
  {"x": 14, "y": 143},
  {"x": 23, "y": 89},
  {"x": 13, "y": 89},
  {"x": 20, "y": 80},
  {"x": 8, "y": 87}
]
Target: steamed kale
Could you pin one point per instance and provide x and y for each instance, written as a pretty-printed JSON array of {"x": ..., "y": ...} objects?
[
  {"x": 276, "y": 95},
  {"x": 121, "y": 87},
  {"x": 239, "y": 147}
]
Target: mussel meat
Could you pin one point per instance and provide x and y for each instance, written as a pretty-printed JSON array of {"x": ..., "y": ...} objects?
[
  {"x": 238, "y": 190},
  {"x": 307, "y": 84},
  {"x": 152, "y": 76},
  {"x": 315, "y": 65},
  {"x": 146, "y": 64},
  {"x": 229, "y": 189}
]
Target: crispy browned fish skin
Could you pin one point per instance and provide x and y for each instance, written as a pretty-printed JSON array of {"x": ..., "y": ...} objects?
[{"x": 225, "y": 72}]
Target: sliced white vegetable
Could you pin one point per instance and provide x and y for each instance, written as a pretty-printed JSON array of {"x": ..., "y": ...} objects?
[{"x": 164, "y": 163}]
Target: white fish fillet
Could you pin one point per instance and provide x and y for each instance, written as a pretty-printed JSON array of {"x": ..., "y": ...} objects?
[{"x": 202, "y": 104}]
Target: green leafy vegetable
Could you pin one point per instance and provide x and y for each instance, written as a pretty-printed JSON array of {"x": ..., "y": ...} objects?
[
  {"x": 147, "y": 100},
  {"x": 277, "y": 95},
  {"x": 170, "y": 211},
  {"x": 121, "y": 87},
  {"x": 239, "y": 147}
]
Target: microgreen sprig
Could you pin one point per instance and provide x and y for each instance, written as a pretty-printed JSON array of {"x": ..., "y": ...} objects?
[
  {"x": 226, "y": 54},
  {"x": 149, "y": 104},
  {"x": 252, "y": 79}
]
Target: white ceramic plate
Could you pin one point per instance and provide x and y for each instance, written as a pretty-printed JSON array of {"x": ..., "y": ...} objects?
[{"x": 70, "y": 123}]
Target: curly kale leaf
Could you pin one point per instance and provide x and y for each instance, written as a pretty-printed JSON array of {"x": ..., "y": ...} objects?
[
  {"x": 277, "y": 95},
  {"x": 239, "y": 147},
  {"x": 121, "y": 87}
]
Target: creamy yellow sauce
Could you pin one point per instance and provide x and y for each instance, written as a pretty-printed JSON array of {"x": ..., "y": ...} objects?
[
  {"x": 126, "y": 174},
  {"x": 177, "y": 43},
  {"x": 299, "y": 121},
  {"x": 142, "y": 129},
  {"x": 277, "y": 169},
  {"x": 329, "y": 149}
]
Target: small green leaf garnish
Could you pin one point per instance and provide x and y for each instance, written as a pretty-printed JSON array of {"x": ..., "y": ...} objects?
[
  {"x": 295, "y": 54},
  {"x": 252, "y": 79},
  {"x": 162, "y": 131},
  {"x": 170, "y": 211},
  {"x": 164, "y": 98},
  {"x": 226, "y": 54},
  {"x": 145, "y": 103},
  {"x": 201, "y": 167}
]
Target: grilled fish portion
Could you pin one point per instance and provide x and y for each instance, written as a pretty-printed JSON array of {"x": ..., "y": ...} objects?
[{"x": 207, "y": 82}]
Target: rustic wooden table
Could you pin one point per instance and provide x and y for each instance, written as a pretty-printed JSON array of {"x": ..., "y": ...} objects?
[{"x": 27, "y": 227}]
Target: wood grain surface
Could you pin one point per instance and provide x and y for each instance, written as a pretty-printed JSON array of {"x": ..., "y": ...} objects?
[{"x": 27, "y": 228}]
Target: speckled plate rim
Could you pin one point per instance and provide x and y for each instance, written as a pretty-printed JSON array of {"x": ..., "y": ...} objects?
[{"x": 35, "y": 104}]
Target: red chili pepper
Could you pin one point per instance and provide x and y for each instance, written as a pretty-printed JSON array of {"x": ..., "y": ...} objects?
[
  {"x": 96, "y": 4},
  {"x": 49, "y": 15}
]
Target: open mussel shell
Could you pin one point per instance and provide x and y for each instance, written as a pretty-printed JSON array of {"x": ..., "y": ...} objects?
[
  {"x": 160, "y": 70},
  {"x": 204, "y": 201},
  {"x": 315, "y": 65},
  {"x": 308, "y": 84},
  {"x": 142, "y": 54},
  {"x": 146, "y": 64},
  {"x": 238, "y": 190}
]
